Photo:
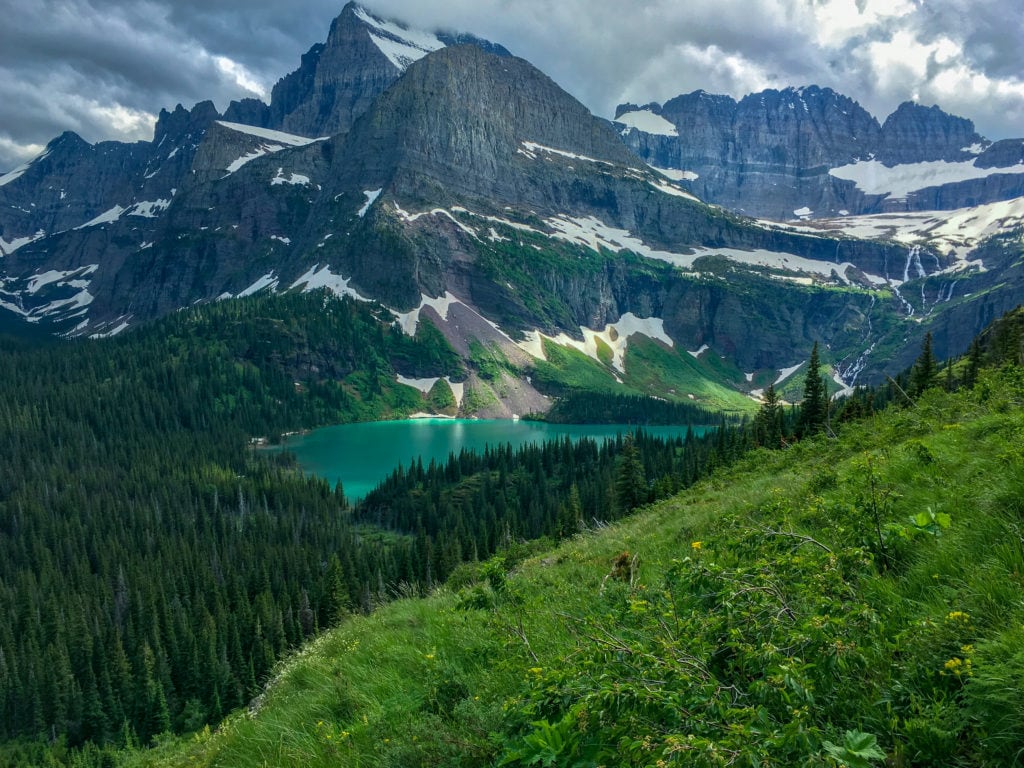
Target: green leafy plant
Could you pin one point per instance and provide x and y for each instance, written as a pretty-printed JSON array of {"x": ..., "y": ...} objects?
[
  {"x": 858, "y": 750},
  {"x": 930, "y": 522}
]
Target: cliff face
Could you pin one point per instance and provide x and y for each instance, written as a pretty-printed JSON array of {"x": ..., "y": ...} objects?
[{"x": 788, "y": 154}]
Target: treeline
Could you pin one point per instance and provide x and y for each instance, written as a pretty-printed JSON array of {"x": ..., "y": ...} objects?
[
  {"x": 775, "y": 425},
  {"x": 152, "y": 567},
  {"x": 476, "y": 503},
  {"x": 576, "y": 407}
]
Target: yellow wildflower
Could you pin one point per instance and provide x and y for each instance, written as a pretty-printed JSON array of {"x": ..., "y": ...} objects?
[{"x": 696, "y": 545}]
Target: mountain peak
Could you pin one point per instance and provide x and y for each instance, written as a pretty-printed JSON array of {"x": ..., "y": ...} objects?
[
  {"x": 914, "y": 126},
  {"x": 338, "y": 80},
  {"x": 463, "y": 115}
]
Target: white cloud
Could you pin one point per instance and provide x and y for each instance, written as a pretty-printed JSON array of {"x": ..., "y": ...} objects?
[
  {"x": 19, "y": 153},
  {"x": 242, "y": 77}
]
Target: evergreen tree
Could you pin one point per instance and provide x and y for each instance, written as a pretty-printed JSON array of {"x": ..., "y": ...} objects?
[
  {"x": 630, "y": 482},
  {"x": 768, "y": 422},
  {"x": 922, "y": 376},
  {"x": 974, "y": 361},
  {"x": 814, "y": 407}
]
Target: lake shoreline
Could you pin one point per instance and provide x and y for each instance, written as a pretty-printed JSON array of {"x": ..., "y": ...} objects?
[{"x": 361, "y": 455}]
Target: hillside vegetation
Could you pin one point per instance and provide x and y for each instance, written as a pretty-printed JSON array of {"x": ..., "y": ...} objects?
[{"x": 838, "y": 603}]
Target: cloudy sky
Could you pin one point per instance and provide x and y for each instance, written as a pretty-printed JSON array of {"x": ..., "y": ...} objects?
[{"x": 104, "y": 68}]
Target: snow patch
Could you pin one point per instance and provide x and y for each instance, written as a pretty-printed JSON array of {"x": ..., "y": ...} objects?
[
  {"x": 785, "y": 373},
  {"x": 322, "y": 277},
  {"x": 267, "y": 281},
  {"x": 371, "y": 198},
  {"x": 107, "y": 217},
  {"x": 122, "y": 324},
  {"x": 423, "y": 385},
  {"x": 696, "y": 353},
  {"x": 409, "y": 321},
  {"x": 675, "y": 174},
  {"x": 458, "y": 390},
  {"x": 596, "y": 235},
  {"x": 296, "y": 179},
  {"x": 530, "y": 149},
  {"x": 615, "y": 336},
  {"x": 897, "y": 182},
  {"x": 149, "y": 209},
  {"x": 399, "y": 53},
  {"x": 402, "y": 46},
  {"x": 79, "y": 302},
  {"x": 845, "y": 390},
  {"x": 956, "y": 231},
  {"x": 285, "y": 240},
  {"x": 802, "y": 213},
  {"x": 14, "y": 175},
  {"x": 7, "y": 248},
  {"x": 411, "y": 217},
  {"x": 60, "y": 278},
  {"x": 260, "y": 151},
  {"x": 670, "y": 190},
  {"x": 278, "y": 137},
  {"x": 648, "y": 122}
]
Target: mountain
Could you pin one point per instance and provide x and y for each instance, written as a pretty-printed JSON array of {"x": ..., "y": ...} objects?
[
  {"x": 812, "y": 152},
  {"x": 459, "y": 185},
  {"x": 338, "y": 80}
]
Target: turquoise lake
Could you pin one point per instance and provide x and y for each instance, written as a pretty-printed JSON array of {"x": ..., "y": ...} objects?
[{"x": 361, "y": 455}]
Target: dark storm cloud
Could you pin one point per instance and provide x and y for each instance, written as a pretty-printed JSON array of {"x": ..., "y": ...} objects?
[{"x": 104, "y": 68}]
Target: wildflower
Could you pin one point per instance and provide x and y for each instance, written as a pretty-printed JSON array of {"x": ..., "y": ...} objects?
[
  {"x": 958, "y": 616},
  {"x": 959, "y": 667},
  {"x": 428, "y": 656},
  {"x": 696, "y": 545},
  {"x": 536, "y": 670}
]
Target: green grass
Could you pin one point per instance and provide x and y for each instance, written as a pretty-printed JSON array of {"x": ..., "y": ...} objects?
[
  {"x": 675, "y": 374},
  {"x": 733, "y": 640}
]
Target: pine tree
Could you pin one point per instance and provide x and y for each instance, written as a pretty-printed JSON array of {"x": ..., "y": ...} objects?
[
  {"x": 923, "y": 374},
  {"x": 974, "y": 359},
  {"x": 630, "y": 482},
  {"x": 768, "y": 422},
  {"x": 814, "y": 408}
]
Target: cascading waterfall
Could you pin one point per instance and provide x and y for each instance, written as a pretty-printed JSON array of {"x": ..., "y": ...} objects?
[
  {"x": 849, "y": 374},
  {"x": 913, "y": 262}
]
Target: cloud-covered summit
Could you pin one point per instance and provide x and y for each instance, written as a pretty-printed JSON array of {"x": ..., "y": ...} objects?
[{"x": 104, "y": 68}]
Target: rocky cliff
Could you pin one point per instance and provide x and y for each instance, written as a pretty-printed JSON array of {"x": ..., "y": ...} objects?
[{"x": 811, "y": 152}]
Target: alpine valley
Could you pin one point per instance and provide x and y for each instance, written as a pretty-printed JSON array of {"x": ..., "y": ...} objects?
[
  {"x": 422, "y": 224},
  {"x": 455, "y": 184}
]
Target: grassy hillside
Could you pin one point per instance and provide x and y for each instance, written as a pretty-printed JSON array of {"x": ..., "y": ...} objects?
[{"x": 837, "y": 603}]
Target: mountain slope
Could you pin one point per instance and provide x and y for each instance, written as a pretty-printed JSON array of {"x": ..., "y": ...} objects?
[{"x": 760, "y": 615}]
